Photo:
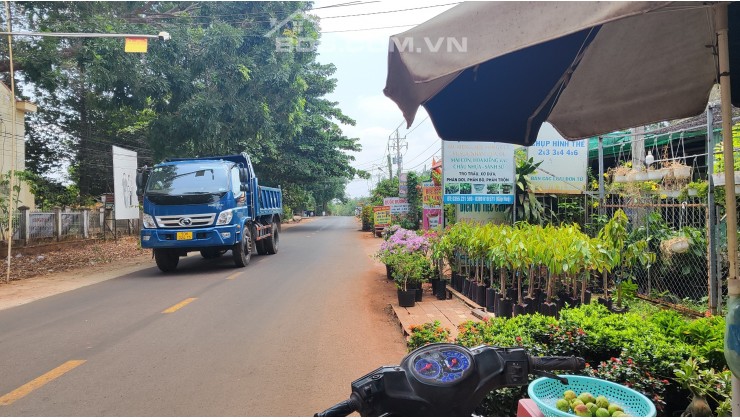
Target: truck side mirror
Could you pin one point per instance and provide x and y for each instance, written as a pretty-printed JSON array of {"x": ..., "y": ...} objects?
[
  {"x": 141, "y": 178},
  {"x": 243, "y": 175}
]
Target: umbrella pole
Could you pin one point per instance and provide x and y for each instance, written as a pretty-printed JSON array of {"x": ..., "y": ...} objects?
[{"x": 733, "y": 313}]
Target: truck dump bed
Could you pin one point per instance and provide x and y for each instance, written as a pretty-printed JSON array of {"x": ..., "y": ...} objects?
[{"x": 270, "y": 201}]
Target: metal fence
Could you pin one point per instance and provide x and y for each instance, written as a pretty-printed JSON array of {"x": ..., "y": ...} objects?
[
  {"x": 31, "y": 227},
  {"x": 676, "y": 231}
]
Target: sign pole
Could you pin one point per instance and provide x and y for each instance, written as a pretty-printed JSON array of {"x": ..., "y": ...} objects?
[{"x": 13, "y": 152}]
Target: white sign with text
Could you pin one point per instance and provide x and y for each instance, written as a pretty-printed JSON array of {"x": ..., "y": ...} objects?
[
  {"x": 477, "y": 172},
  {"x": 563, "y": 168}
]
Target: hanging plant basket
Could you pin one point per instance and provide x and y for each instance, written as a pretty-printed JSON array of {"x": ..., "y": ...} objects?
[
  {"x": 641, "y": 176},
  {"x": 681, "y": 171},
  {"x": 656, "y": 174},
  {"x": 675, "y": 245},
  {"x": 719, "y": 178}
]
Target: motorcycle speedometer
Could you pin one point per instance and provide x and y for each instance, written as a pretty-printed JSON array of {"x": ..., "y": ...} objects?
[{"x": 441, "y": 365}]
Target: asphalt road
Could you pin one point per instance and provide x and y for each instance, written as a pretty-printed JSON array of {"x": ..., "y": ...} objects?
[{"x": 284, "y": 336}]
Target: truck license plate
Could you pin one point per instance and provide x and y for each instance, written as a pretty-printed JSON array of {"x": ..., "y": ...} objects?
[{"x": 184, "y": 236}]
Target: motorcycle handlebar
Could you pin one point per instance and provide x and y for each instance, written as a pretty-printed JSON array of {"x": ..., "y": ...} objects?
[
  {"x": 557, "y": 363},
  {"x": 342, "y": 409}
]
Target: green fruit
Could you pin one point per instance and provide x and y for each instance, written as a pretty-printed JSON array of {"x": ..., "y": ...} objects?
[
  {"x": 613, "y": 407},
  {"x": 575, "y": 402},
  {"x": 602, "y": 402},
  {"x": 586, "y": 398},
  {"x": 582, "y": 411},
  {"x": 563, "y": 405},
  {"x": 592, "y": 407},
  {"x": 620, "y": 414},
  {"x": 602, "y": 412},
  {"x": 569, "y": 395}
]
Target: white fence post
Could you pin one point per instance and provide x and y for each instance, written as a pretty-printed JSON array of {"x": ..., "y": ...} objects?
[
  {"x": 58, "y": 223},
  {"x": 25, "y": 225},
  {"x": 85, "y": 223}
]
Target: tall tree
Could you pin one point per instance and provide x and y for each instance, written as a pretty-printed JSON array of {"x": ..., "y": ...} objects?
[{"x": 230, "y": 80}]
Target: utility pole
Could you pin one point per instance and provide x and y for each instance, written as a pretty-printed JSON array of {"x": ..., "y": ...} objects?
[{"x": 398, "y": 143}]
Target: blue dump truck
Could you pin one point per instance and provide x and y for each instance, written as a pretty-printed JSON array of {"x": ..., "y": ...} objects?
[{"x": 211, "y": 205}]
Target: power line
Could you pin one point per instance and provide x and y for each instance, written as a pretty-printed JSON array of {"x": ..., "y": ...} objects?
[
  {"x": 433, "y": 154},
  {"x": 368, "y": 29},
  {"x": 390, "y": 11},
  {"x": 417, "y": 125}
]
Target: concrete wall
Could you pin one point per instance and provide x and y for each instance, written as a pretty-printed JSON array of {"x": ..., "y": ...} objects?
[{"x": 9, "y": 160}]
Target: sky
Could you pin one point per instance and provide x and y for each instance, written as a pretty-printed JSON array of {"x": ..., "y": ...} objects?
[{"x": 358, "y": 46}]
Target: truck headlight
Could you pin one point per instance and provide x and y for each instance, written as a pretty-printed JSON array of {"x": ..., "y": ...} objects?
[
  {"x": 148, "y": 221},
  {"x": 224, "y": 218}
]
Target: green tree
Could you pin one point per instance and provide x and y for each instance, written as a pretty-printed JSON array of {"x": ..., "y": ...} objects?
[{"x": 219, "y": 86}]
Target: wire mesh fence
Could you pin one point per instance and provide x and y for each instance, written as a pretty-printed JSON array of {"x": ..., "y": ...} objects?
[{"x": 677, "y": 232}]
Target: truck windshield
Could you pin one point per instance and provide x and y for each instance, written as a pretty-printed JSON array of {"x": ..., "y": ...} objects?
[{"x": 189, "y": 179}]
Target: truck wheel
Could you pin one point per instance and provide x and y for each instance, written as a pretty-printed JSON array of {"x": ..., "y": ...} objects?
[
  {"x": 261, "y": 247},
  {"x": 271, "y": 243},
  {"x": 211, "y": 253},
  {"x": 166, "y": 260},
  {"x": 243, "y": 249}
]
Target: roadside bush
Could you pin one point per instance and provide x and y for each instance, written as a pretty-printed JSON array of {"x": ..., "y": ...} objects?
[
  {"x": 367, "y": 217},
  {"x": 639, "y": 349},
  {"x": 431, "y": 332},
  {"x": 634, "y": 376}
]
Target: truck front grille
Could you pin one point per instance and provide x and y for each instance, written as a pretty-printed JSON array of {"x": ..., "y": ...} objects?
[{"x": 186, "y": 220}]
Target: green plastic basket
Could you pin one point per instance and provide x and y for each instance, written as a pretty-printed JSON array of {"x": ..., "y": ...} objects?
[{"x": 545, "y": 392}]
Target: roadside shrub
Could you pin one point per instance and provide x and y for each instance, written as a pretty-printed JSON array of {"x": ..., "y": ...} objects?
[
  {"x": 367, "y": 217},
  {"x": 431, "y": 332},
  {"x": 634, "y": 376},
  {"x": 706, "y": 336}
]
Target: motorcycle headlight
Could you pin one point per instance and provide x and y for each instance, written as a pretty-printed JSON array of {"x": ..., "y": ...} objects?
[
  {"x": 148, "y": 221},
  {"x": 224, "y": 218}
]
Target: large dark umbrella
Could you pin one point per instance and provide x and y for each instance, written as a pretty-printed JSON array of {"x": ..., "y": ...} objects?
[{"x": 495, "y": 71}]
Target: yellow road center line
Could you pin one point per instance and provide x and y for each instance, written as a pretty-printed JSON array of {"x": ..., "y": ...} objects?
[
  {"x": 42, "y": 380},
  {"x": 235, "y": 275},
  {"x": 172, "y": 309}
]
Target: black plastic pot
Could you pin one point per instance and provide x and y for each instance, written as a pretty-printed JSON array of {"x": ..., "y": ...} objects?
[
  {"x": 570, "y": 301},
  {"x": 504, "y": 309},
  {"x": 471, "y": 289},
  {"x": 549, "y": 309},
  {"x": 520, "y": 309},
  {"x": 531, "y": 305},
  {"x": 465, "y": 287},
  {"x": 419, "y": 294},
  {"x": 587, "y": 297},
  {"x": 435, "y": 284},
  {"x": 512, "y": 294},
  {"x": 606, "y": 302},
  {"x": 406, "y": 298},
  {"x": 480, "y": 297},
  {"x": 441, "y": 290},
  {"x": 457, "y": 282},
  {"x": 389, "y": 272},
  {"x": 490, "y": 300}
]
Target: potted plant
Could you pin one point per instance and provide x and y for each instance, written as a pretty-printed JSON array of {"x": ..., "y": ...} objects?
[
  {"x": 702, "y": 383},
  {"x": 613, "y": 237},
  {"x": 620, "y": 172},
  {"x": 719, "y": 159},
  {"x": 409, "y": 269}
]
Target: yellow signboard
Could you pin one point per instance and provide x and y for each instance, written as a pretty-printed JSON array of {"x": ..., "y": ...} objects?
[
  {"x": 135, "y": 45},
  {"x": 382, "y": 216}
]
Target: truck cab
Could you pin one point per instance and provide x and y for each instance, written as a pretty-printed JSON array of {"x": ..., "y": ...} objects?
[{"x": 211, "y": 205}]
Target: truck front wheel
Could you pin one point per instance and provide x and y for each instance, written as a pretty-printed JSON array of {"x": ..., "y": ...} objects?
[
  {"x": 242, "y": 250},
  {"x": 166, "y": 259}
]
